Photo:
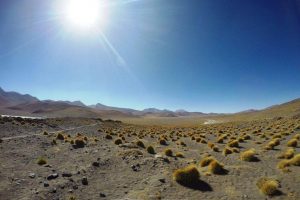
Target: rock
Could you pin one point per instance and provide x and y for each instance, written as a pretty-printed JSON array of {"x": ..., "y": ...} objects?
[
  {"x": 46, "y": 184},
  {"x": 96, "y": 164},
  {"x": 32, "y": 175},
  {"x": 84, "y": 181},
  {"x": 162, "y": 180},
  {"x": 102, "y": 194},
  {"x": 52, "y": 176},
  {"x": 53, "y": 190},
  {"x": 66, "y": 174},
  {"x": 75, "y": 187},
  {"x": 129, "y": 145},
  {"x": 135, "y": 167},
  {"x": 163, "y": 158}
]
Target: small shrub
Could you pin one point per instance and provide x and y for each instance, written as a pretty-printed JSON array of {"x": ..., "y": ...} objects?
[
  {"x": 268, "y": 186},
  {"x": 233, "y": 143},
  {"x": 210, "y": 145},
  {"x": 283, "y": 164},
  {"x": 206, "y": 161},
  {"x": 179, "y": 155},
  {"x": 140, "y": 143},
  {"x": 168, "y": 152},
  {"x": 41, "y": 161},
  {"x": 54, "y": 142},
  {"x": 79, "y": 143},
  {"x": 215, "y": 148},
  {"x": 187, "y": 175},
  {"x": 203, "y": 141},
  {"x": 162, "y": 142},
  {"x": 109, "y": 137},
  {"x": 227, "y": 151},
  {"x": 60, "y": 136},
  {"x": 296, "y": 160},
  {"x": 150, "y": 149},
  {"x": 215, "y": 167},
  {"x": 118, "y": 141},
  {"x": 235, "y": 150},
  {"x": 45, "y": 133},
  {"x": 288, "y": 154},
  {"x": 220, "y": 140},
  {"x": 248, "y": 155},
  {"x": 292, "y": 143}
]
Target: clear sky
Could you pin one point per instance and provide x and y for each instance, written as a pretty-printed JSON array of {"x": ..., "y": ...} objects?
[{"x": 198, "y": 55}]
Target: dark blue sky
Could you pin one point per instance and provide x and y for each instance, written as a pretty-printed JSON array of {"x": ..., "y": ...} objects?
[{"x": 199, "y": 55}]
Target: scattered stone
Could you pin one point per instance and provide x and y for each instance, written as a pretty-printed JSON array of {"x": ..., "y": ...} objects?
[
  {"x": 135, "y": 167},
  {"x": 52, "y": 176},
  {"x": 102, "y": 194},
  {"x": 46, "y": 184},
  {"x": 84, "y": 181},
  {"x": 53, "y": 190},
  {"x": 66, "y": 174},
  {"x": 75, "y": 187},
  {"x": 96, "y": 164},
  {"x": 31, "y": 175},
  {"x": 162, "y": 180}
]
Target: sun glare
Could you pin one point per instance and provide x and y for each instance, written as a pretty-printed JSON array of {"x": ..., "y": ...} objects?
[{"x": 85, "y": 13}]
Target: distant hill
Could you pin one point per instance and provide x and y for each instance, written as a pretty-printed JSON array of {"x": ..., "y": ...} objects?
[
  {"x": 14, "y": 98},
  {"x": 288, "y": 109},
  {"x": 13, "y": 103}
]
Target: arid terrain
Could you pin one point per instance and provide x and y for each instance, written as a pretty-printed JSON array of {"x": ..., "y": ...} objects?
[{"x": 80, "y": 158}]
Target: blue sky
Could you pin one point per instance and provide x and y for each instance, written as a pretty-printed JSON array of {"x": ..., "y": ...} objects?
[{"x": 198, "y": 55}]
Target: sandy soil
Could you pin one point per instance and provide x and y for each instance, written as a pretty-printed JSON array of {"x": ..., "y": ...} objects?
[{"x": 103, "y": 170}]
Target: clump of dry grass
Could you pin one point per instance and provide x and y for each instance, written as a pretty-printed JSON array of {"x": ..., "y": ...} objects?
[
  {"x": 289, "y": 153},
  {"x": 297, "y": 136},
  {"x": 41, "y": 161},
  {"x": 272, "y": 144},
  {"x": 203, "y": 141},
  {"x": 210, "y": 145},
  {"x": 60, "y": 136},
  {"x": 150, "y": 149},
  {"x": 292, "y": 143},
  {"x": 268, "y": 186},
  {"x": 187, "y": 175},
  {"x": 283, "y": 164},
  {"x": 215, "y": 148},
  {"x": 140, "y": 143},
  {"x": 162, "y": 141},
  {"x": 233, "y": 143},
  {"x": 54, "y": 142},
  {"x": 179, "y": 155},
  {"x": 79, "y": 142},
  {"x": 109, "y": 137},
  {"x": 118, "y": 141},
  {"x": 248, "y": 155},
  {"x": 206, "y": 161},
  {"x": 168, "y": 152},
  {"x": 227, "y": 151},
  {"x": 215, "y": 167},
  {"x": 295, "y": 160}
]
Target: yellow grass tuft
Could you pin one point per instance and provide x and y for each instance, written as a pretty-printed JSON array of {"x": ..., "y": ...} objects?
[{"x": 187, "y": 175}]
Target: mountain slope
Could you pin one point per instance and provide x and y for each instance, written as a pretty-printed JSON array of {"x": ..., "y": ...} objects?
[{"x": 14, "y": 98}]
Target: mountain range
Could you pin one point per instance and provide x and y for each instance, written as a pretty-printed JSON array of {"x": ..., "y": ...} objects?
[{"x": 14, "y": 103}]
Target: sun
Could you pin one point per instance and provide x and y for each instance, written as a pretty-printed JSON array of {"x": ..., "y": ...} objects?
[{"x": 85, "y": 13}]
